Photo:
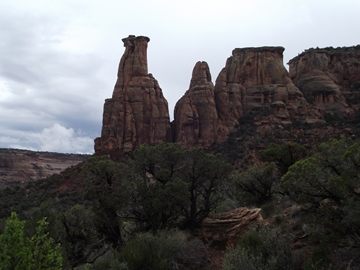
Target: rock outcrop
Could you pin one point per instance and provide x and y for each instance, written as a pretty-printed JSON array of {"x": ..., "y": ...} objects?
[
  {"x": 21, "y": 166},
  {"x": 137, "y": 113},
  {"x": 230, "y": 226},
  {"x": 253, "y": 91},
  {"x": 329, "y": 79},
  {"x": 255, "y": 82},
  {"x": 195, "y": 115}
]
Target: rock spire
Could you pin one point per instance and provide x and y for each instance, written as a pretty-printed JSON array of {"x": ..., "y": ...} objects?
[
  {"x": 195, "y": 114},
  {"x": 137, "y": 113},
  {"x": 253, "y": 90}
]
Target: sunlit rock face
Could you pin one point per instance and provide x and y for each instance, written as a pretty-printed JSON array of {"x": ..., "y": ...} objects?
[
  {"x": 195, "y": 115},
  {"x": 329, "y": 79},
  {"x": 137, "y": 113}
]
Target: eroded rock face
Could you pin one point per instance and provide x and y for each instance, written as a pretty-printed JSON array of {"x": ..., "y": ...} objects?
[
  {"x": 253, "y": 89},
  {"x": 230, "y": 226},
  {"x": 137, "y": 113},
  {"x": 253, "y": 86},
  {"x": 195, "y": 114},
  {"x": 255, "y": 80},
  {"x": 19, "y": 167},
  {"x": 329, "y": 79}
]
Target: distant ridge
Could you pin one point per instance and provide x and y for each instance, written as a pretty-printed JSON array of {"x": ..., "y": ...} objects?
[{"x": 18, "y": 166}]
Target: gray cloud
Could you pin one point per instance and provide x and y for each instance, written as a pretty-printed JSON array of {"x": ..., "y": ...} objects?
[
  {"x": 45, "y": 89},
  {"x": 58, "y": 60},
  {"x": 56, "y": 138}
]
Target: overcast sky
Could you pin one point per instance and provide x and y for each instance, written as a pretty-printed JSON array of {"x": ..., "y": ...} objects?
[{"x": 59, "y": 58}]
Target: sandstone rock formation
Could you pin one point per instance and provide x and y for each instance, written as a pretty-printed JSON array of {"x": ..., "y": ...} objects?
[
  {"x": 255, "y": 81},
  {"x": 137, "y": 113},
  {"x": 254, "y": 84},
  {"x": 329, "y": 79},
  {"x": 230, "y": 226},
  {"x": 253, "y": 89},
  {"x": 195, "y": 114},
  {"x": 21, "y": 166}
]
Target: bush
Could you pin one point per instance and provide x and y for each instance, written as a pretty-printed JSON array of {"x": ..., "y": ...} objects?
[
  {"x": 19, "y": 252},
  {"x": 267, "y": 209},
  {"x": 263, "y": 248},
  {"x": 257, "y": 185},
  {"x": 164, "y": 250}
]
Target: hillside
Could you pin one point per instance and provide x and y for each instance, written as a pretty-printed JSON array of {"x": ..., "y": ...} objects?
[{"x": 22, "y": 166}]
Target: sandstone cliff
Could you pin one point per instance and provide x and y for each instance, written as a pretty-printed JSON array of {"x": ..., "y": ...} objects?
[
  {"x": 255, "y": 82},
  {"x": 329, "y": 79},
  {"x": 253, "y": 92},
  {"x": 137, "y": 113},
  {"x": 21, "y": 166},
  {"x": 195, "y": 115}
]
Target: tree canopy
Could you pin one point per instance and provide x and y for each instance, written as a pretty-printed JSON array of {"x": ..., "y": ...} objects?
[{"x": 18, "y": 252}]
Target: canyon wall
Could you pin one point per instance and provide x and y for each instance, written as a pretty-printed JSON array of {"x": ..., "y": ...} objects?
[{"x": 21, "y": 166}]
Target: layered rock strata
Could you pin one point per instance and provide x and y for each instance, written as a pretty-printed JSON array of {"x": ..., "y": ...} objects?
[
  {"x": 137, "y": 113},
  {"x": 253, "y": 89},
  {"x": 255, "y": 82},
  {"x": 228, "y": 227},
  {"x": 329, "y": 79},
  {"x": 195, "y": 115},
  {"x": 19, "y": 167}
]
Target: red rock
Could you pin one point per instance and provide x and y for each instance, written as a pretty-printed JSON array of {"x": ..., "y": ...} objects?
[
  {"x": 329, "y": 79},
  {"x": 195, "y": 115},
  {"x": 137, "y": 113},
  {"x": 255, "y": 82},
  {"x": 228, "y": 227},
  {"x": 19, "y": 167}
]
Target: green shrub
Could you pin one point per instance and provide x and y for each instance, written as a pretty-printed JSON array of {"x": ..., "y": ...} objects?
[
  {"x": 164, "y": 250},
  {"x": 18, "y": 252},
  {"x": 267, "y": 209},
  {"x": 320, "y": 256},
  {"x": 257, "y": 185},
  {"x": 263, "y": 248}
]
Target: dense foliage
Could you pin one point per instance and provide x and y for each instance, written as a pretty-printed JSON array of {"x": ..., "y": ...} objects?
[
  {"x": 327, "y": 187},
  {"x": 264, "y": 248},
  {"x": 18, "y": 252},
  {"x": 145, "y": 212},
  {"x": 256, "y": 185},
  {"x": 107, "y": 204}
]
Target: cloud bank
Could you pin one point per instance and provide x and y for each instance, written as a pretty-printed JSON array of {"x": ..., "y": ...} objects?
[
  {"x": 59, "y": 59},
  {"x": 56, "y": 138}
]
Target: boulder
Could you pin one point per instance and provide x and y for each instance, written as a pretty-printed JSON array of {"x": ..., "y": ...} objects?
[{"x": 228, "y": 227}]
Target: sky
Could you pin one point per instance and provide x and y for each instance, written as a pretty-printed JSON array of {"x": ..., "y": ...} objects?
[{"x": 59, "y": 58}]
